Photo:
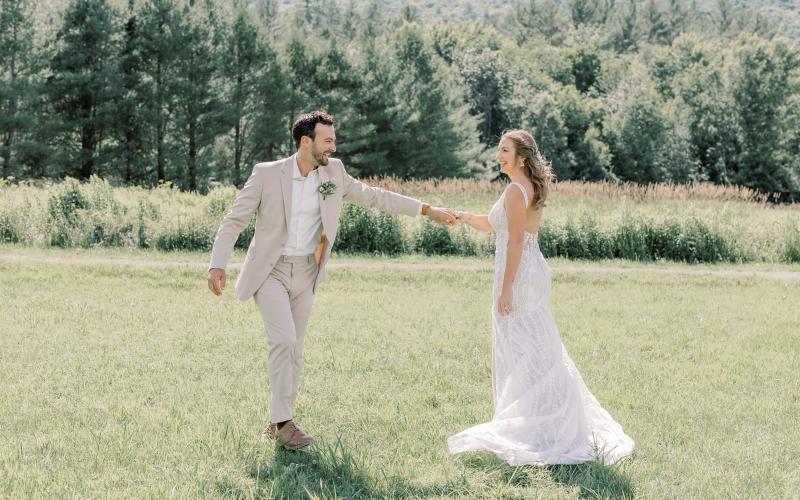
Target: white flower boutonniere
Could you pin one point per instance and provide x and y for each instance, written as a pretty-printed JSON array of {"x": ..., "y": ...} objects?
[{"x": 326, "y": 189}]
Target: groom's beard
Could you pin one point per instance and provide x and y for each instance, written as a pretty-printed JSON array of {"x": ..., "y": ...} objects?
[{"x": 319, "y": 158}]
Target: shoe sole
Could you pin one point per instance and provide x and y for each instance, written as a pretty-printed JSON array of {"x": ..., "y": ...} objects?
[{"x": 295, "y": 448}]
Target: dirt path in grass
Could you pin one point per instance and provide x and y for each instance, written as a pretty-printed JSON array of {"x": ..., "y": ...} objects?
[{"x": 345, "y": 263}]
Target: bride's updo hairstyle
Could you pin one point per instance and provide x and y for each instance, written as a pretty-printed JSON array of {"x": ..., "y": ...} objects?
[{"x": 534, "y": 165}]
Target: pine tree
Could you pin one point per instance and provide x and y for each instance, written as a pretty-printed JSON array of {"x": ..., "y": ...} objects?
[
  {"x": 678, "y": 18},
  {"x": 159, "y": 28},
  {"x": 485, "y": 74},
  {"x": 435, "y": 124},
  {"x": 657, "y": 28},
  {"x": 257, "y": 96},
  {"x": 627, "y": 37},
  {"x": 538, "y": 17},
  {"x": 84, "y": 80},
  {"x": 130, "y": 129},
  {"x": 16, "y": 44},
  {"x": 200, "y": 116}
]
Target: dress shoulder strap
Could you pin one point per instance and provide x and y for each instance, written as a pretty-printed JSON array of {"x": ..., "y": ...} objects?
[{"x": 524, "y": 191}]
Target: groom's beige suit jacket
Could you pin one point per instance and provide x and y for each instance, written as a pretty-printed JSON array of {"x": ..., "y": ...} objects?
[{"x": 268, "y": 194}]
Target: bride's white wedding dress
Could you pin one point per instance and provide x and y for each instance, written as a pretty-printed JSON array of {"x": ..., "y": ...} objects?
[{"x": 543, "y": 412}]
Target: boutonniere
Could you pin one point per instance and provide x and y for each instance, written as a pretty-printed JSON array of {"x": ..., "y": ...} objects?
[{"x": 326, "y": 189}]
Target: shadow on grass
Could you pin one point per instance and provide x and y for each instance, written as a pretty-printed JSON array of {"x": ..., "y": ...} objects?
[
  {"x": 331, "y": 471},
  {"x": 593, "y": 479}
]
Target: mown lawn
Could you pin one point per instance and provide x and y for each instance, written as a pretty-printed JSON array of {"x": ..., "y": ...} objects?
[{"x": 130, "y": 379}]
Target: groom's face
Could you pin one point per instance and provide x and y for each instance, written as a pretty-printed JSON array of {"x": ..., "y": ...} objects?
[{"x": 323, "y": 144}]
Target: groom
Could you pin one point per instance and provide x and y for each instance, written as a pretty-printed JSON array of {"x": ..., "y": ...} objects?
[{"x": 297, "y": 202}]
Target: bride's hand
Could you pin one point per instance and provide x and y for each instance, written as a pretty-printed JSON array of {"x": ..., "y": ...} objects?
[
  {"x": 462, "y": 216},
  {"x": 504, "y": 303}
]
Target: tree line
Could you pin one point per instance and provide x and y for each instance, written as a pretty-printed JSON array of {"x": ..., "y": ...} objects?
[{"x": 150, "y": 91}]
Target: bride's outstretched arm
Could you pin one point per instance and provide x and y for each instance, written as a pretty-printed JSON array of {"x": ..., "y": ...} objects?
[{"x": 479, "y": 222}]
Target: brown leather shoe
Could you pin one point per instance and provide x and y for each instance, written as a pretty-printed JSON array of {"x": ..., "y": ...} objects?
[
  {"x": 292, "y": 438},
  {"x": 270, "y": 432}
]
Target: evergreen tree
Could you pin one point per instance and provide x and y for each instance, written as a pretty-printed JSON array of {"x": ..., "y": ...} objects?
[
  {"x": 485, "y": 74},
  {"x": 84, "y": 80},
  {"x": 438, "y": 139},
  {"x": 200, "y": 115},
  {"x": 678, "y": 18},
  {"x": 538, "y": 18},
  {"x": 626, "y": 39},
  {"x": 725, "y": 17},
  {"x": 657, "y": 29},
  {"x": 16, "y": 79},
  {"x": 130, "y": 129},
  {"x": 159, "y": 40},
  {"x": 247, "y": 60}
]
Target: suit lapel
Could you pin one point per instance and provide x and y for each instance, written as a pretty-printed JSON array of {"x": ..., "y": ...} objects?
[
  {"x": 323, "y": 200},
  {"x": 286, "y": 188}
]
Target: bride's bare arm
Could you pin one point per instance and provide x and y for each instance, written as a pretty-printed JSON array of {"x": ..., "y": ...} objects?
[
  {"x": 516, "y": 214},
  {"x": 479, "y": 222}
]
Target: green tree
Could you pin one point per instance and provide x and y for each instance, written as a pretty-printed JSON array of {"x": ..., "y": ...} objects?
[
  {"x": 485, "y": 73},
  {"x": 159, "y": 31},
  {"x": 586, "y": 66},
  {"x": 542, "y": 18},
  {"x": 639, "y": 132},
  {"x": 657, "y": 29},
  {"x": 254, "y": 97},
  {"x": 130, "y": 124},
  {"x": 16, "y": 80},
  {"x": 626, "y": 38},
  {"x": 84, "y": 81},
  {"x": 764, "y": 80},
  {"x": 200, "y": 115},
  {"x": 438, "y": 136},
  {"x": 700, "y": 76}
]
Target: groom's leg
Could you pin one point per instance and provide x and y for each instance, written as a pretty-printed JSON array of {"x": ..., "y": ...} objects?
[
  {"x": 273, "y": 303},
  {"x": 301, "y": 298}
]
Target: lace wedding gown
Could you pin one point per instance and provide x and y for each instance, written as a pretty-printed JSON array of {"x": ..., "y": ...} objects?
[{"x": 543, "y": 412}]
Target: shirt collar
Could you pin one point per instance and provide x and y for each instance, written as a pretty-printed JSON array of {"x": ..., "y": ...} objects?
[{"x": 296, "y": 175}]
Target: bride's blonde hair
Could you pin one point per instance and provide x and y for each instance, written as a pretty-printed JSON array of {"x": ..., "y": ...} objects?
[{"x": 535, "y": 166}]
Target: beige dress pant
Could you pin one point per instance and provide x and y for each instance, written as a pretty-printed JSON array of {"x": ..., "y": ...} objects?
[{"x": 285, "y": 300}]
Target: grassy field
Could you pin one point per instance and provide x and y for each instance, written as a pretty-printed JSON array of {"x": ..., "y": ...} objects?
[
  {"x": 581, "y": 216},
  {"x": 122, "y": 376}
]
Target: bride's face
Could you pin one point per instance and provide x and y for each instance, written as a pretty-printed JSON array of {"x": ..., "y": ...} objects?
[{"x": 507, "y": 156}]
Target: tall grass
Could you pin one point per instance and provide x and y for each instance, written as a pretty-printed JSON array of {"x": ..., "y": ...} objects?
[{"x": 694, "y": 223}]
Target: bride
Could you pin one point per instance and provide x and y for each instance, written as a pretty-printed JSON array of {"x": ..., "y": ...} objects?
[{"x": 543, "y": 412}]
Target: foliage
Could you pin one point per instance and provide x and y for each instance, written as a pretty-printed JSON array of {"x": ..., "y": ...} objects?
[
  {"x": 583, "y": 221},
  {"x": 195, "y": 93}
]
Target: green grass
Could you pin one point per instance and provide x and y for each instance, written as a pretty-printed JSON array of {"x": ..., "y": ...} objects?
[
  {"x": 129, "y": 381},
  {"x": 591, "y": 224}
]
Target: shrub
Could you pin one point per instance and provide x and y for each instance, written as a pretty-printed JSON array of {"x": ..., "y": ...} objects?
[
  {"x": 9, "y": 231},
  {"x": 434, "y": 239},
  {"x": 791, "y": 252},
  {"x": 362, "y": 230},
  {"x": 63, "y": 222},
  {"x": 189, "y": 234}
]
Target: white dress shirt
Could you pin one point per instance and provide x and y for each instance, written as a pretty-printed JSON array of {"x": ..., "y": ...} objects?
[{"x": 305, "y": 223}]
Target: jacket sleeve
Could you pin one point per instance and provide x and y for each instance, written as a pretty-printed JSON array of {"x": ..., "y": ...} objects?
[
  {"x": 359, "y": 193},
  {"x": 247, "y": 202}
]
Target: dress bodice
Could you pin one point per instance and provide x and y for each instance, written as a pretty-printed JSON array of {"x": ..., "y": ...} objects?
[{"x": 531, "y": 286}]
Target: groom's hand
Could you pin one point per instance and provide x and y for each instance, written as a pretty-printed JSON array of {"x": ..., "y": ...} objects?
[
  {"x": 443, "y": 215},
  {"x": 216, "y": 280}
]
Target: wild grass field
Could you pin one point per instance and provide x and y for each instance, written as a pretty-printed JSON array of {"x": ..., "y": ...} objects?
[
  {"x": 700, "y": 223},
  {"x": 122, "y": 376}
]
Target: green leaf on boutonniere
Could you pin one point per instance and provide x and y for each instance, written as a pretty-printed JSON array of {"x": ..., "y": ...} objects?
[{"x": 326, "y": 189}]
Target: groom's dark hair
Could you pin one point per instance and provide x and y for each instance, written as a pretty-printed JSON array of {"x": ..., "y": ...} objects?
[{"x": 305, "y": 124}]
